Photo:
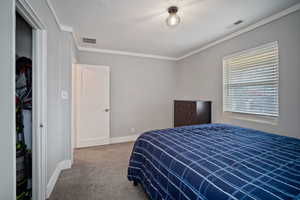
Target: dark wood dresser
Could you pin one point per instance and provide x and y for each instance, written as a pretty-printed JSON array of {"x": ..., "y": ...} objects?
[{"x": 191, "y": 112}]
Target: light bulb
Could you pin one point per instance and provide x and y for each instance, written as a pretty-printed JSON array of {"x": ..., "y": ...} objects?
[{"x": 173, "y": 20}]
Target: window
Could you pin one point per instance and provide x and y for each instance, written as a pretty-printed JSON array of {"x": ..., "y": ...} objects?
[{"x": 251, "y": 81}]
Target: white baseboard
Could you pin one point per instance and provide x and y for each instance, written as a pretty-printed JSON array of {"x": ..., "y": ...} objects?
[
  {"x": 65, "y": 164},
  {"x": 129, "y": 138},
  {"x": 92, "y": 142},
  {"x": 104, "y": 141}
]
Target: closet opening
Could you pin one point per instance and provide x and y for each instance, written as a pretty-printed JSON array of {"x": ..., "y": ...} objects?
[
  {"x": 24, "y": 108},
  {"x": 30, "y": 104}
]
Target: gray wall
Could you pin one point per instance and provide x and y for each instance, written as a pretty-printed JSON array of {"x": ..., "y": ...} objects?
[
  {"x": 141, "y": 92},
  {"x": 66, "y": 57},
  {"x": 58, "y": 124},
  {"x": 7, "y": 87},
  {"x": 58, "y": 78},
  {"x": 23, "y": 38},
  {"x": 200, "y": 76}
]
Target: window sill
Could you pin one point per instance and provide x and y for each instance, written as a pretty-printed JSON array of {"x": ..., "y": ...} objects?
[{"x": 251, "y": 118}]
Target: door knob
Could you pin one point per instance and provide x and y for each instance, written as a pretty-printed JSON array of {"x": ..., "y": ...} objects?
[{"x": 106, "y": 110}]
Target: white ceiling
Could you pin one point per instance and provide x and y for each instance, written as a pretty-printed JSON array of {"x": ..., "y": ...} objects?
[{"x": 139, "y": 25}]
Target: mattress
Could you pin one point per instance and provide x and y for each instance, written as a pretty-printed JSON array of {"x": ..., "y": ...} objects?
[{"x": 216, "y": 162}]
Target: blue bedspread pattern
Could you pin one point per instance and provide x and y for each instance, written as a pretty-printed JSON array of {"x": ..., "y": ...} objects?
[{"x": 216, "y": 162}]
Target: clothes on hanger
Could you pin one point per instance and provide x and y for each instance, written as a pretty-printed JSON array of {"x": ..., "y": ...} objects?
[{"x": 24, "y": 82}]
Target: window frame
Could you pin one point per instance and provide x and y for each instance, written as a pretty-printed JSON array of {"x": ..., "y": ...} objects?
[{"x": 258, "y": 117}]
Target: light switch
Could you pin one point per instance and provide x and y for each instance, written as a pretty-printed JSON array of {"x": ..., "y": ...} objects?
[{"x": 64, "y": 94}]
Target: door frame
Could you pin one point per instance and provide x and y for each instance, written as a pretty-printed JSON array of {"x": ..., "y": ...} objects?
[
  {"x": 73, "y": 108},
  {"x": 78, "y": 84},
  {"x": 39, "y": 99}
]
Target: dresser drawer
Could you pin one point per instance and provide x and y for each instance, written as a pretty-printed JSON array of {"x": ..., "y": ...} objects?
[{"x": 191, "y": 112}]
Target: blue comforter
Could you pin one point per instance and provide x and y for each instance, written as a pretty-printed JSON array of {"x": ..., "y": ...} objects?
[{"x": 216, "y": 162}]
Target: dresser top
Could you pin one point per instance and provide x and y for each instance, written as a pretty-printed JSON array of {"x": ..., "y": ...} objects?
[{"x": 193, "y": 100}]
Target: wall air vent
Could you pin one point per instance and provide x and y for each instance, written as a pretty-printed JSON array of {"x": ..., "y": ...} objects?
[
  {"x": 238, "y": 22},
  {"x": 89, "y": 40}
]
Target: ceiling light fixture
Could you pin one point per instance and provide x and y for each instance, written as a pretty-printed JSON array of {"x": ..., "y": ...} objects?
[{"x": 173, "y": 19}]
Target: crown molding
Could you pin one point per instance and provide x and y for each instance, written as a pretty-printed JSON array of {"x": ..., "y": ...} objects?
[
  {"x": 209, "y": 45},
  {"x": 245, "y": 30},
  {"x": 75, "y": 40},
  {"x": 116, "y": 52},
  {"x": 106, "y": 51},
  {"x": 125, "y": 53},
  {"x": 60, "y": 26},
  {"x": 50, "y": 6},
  {"x": 30, "y": 14}
]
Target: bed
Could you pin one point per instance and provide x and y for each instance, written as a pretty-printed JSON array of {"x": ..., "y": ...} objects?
[{"x": 216, "y": 162}]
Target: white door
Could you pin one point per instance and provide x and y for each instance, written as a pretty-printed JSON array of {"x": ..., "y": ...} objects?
[{"x": 93, "y": 105}]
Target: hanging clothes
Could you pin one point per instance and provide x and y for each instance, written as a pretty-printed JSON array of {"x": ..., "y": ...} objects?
[
  {"x": 24, "y": 127},
  {"x": 24, "y": 82},
  {"x": 27, "y": 123}
]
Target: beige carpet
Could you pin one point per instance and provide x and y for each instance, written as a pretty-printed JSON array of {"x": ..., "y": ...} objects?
[{"x": 98, "y": 173}]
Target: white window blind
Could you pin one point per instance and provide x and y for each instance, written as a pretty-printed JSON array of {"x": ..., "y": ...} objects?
[{"x": 251, "y": 81}]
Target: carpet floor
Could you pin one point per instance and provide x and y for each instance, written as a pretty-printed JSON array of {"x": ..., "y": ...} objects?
[{"x": 98, "y": 173}]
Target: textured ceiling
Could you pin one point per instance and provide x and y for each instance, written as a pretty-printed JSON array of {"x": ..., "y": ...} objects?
[{"x": 139, "y": 25}]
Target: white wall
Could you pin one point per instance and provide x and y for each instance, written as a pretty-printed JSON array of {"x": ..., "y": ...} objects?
[
  {"x": 7, "y": 87},
  {"x": 200, "y": 76},
  {"x": 59, "y": 67},
  {"x": 142, "y": 92}
]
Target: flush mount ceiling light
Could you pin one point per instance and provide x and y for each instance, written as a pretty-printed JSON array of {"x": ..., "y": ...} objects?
[{"x": 173, "y": 19}]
